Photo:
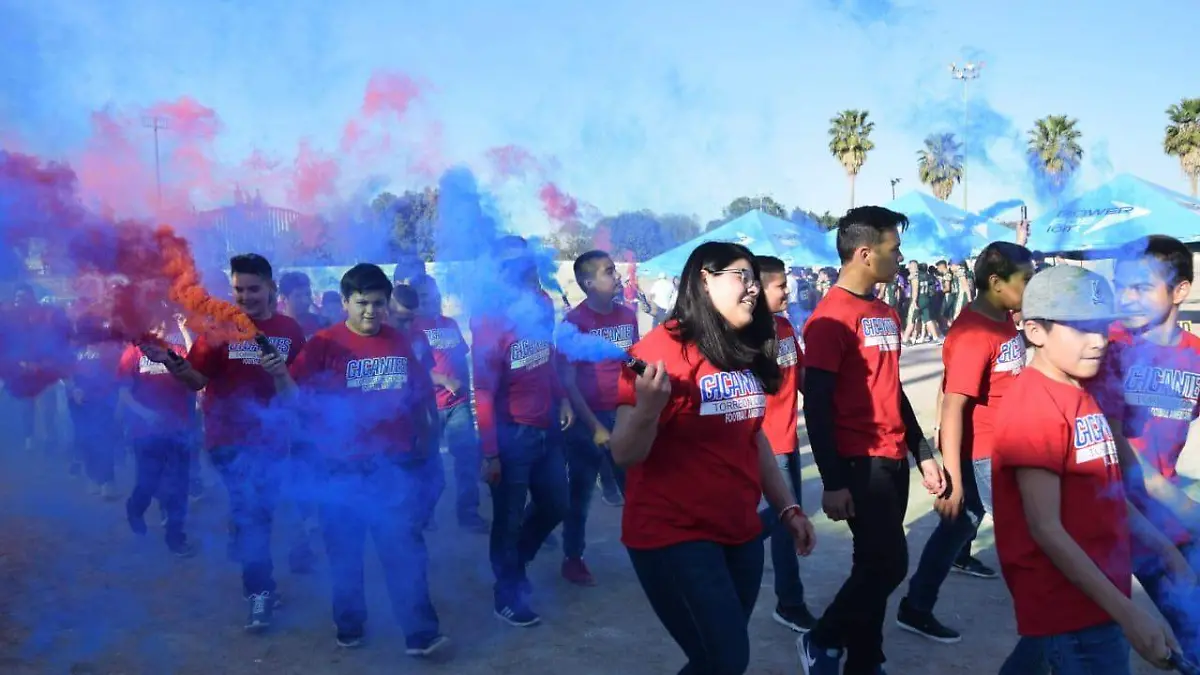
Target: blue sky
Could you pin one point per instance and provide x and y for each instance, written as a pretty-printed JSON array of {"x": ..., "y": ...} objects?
[{"x": 673, "y": 106}]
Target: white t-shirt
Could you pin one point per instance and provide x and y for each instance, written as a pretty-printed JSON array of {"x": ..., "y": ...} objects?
[{"x": 663, "y": 293}]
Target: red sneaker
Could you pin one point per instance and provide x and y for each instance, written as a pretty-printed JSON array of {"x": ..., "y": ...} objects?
[{"x": 576, "y": 571}]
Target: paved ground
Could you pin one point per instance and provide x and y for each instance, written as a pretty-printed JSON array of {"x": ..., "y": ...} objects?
[{"x": 80, "y": 595}]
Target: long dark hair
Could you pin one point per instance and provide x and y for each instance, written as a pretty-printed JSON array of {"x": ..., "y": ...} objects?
[{"x": 697, "y": 322}]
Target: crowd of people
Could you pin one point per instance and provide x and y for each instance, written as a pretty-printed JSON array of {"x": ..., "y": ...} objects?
[{"x": 347, "y": 406}]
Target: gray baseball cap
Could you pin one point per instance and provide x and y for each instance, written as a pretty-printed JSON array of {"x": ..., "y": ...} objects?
[{"x": 1069, "y": 293}]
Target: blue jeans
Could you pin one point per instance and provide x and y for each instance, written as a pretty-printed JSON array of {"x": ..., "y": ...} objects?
[
  {"x": 950, "y": 539},
  {"x": 458, "y": 425},
  {"x": 704, "y": 594},
  {"x": 1100, "y": 650},
  {"x": 384, "y": 498},
  {"x": 252, "y": 476},
  {"x": 163, "y": 464},
  {"x": 789, "y": 590},
  {"x": 584, "y": 462},
  {"x": 532, "y": 467}
]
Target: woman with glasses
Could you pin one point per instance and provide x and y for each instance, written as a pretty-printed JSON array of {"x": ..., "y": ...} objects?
[{"x": 689, "y": 433}]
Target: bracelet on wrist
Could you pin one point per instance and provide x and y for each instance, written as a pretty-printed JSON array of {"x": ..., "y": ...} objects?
[{"x": 794, "y": 508}]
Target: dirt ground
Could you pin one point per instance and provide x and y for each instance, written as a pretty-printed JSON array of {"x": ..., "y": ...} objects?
[{"x": 80, "y": 595}]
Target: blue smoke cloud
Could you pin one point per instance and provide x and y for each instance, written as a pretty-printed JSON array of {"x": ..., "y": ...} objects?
[
  {"x": 575, "y": 345},
  {"x": 866, "y": 12}
]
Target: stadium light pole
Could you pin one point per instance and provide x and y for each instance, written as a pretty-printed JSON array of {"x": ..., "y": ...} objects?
[
  {"x": 969, "y": 71},
  {"x": 155, "y": 122},
  {"x": 894, "y": 181}
]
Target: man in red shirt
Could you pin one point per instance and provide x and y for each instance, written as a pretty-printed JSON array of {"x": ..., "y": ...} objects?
[
  {"x": 779, "y": 426},
  {"x": 374, "y": 420},
  {"x": 246, "y": 435},
  {"x": 1062, "y": 522},
  {"x": 522, "y": 412},
  {"x": 861, "y": 427},
  {"x": 982, "y": 356},
  {"x": 1149, "y": 388},
  {"x": 591, "y": 385}
]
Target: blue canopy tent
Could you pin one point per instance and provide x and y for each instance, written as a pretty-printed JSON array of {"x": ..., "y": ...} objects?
[
  {"x": 940, "y": 231},
  {"x": 1115, "y": 213},
  {"x": 795, "y": 243}
]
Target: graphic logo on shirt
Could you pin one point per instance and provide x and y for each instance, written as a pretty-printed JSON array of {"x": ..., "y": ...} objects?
[
  {"x": 881, "y": 332},
  {"x": 247, "y": 351},
  {"x": 528, "y": 354},
  {"x": 738, "y": 396},
  {"x": 787, "y": 352},
  {"x": 148, "y": 367},
  {"x": 1012, "y": 357},
  {"x": 621, "y": 336},
  {"x": 1094, "y": 440},
  {"x": 1169, "y": 393},
  {"x": 442, "y": 339},
  {"x": 377, "y": 373},
  {"x": 87, "y": 354}
]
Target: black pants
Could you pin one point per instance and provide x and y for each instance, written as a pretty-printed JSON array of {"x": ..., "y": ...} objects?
[
  {"x": 163, "y": 465},
  {"x": 854, "y": 620},
  {"x": 704, "y": 593},
  {"x": 96, "y": 437}
]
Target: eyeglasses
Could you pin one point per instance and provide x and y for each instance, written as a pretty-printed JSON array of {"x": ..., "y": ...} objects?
[{"x": 747, "y": 275}]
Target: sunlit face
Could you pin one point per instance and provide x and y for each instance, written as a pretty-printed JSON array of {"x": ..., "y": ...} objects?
[
  {"x": 733, "y": 291},
  {"x": 1010, "y": 291},
  {"x": 253, "y": 294},
  {"x": 604, "y": 283},
  {"x": 885, "y": 258},
  {"x": 1074, "y": 349},
  {"x": 366, "y": 312},
  {"x": 775, "y": 291},
  {"x": 1144, "y": 293},
  {"x": 429, "y": 298}
]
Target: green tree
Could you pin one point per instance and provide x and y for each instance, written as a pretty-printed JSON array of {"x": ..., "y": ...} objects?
[
  {"x": 1182, "y": 139},
  {"x": 850, "y": 141},
  {"x": 940, "y": 164},
  {"x": 1054, "y": 149},
  {"x": 743, "y": 205},
  {"x": 412, "y": 216}
]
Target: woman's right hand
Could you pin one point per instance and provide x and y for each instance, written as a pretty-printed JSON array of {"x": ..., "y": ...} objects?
[{"x": 653, "y": 388}]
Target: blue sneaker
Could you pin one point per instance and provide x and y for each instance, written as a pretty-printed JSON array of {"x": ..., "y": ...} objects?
[{"x": 815, "y": 660}]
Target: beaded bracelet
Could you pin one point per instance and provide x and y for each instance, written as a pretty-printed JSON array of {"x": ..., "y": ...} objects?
[{"x": 788, "y": 509}]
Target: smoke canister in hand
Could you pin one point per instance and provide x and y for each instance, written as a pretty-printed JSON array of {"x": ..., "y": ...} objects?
[{"x": 265, "y": 345}]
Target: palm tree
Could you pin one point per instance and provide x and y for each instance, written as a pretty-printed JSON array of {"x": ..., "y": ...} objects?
[
  {"x": 940, "y": 164},
  {"x": 1183, "y": 138},
  {"x": 849, "y": 142},
  {"x": 1054, "y": 149}
]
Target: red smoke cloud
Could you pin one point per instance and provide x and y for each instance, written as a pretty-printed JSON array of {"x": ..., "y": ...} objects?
[
  {"x": 511, "y": 161},
  {"x": 559, "y": 206}
]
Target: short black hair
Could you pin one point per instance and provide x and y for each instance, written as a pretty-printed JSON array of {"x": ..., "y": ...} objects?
[
  {"x": 409, "y": 267},
  {"x": 365, "y": 278},
  {"x": 586, "y": 265},
  {"x": 1002, "y": 259},
  {"x": 1167, "y": 250},
  {"x": 293, "y": 281},
  {"x": 330, "y": 296},
  {"x": 939, "y": 263},
  {"x": 251, "y": 263},
  {"x": 769, "y": 264},
  {"x": 864, "y": 226},
  {"x": 406, "y": 296}
]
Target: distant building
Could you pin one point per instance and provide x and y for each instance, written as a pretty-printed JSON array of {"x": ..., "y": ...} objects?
[{"x": 248, "y": 226}]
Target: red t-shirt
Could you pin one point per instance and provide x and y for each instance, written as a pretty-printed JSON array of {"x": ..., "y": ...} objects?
[
  {"x": 514, "y": 364},
  {"x": 310, "y": 323},
  {"x": 701, "y": 480},
  {"x": 449, "y": 357},
  {"x": 1061, "y": 430},
  {"x": 597, "y": 381},
  {"x": 236, "y": 402},
  {"x": 982, "y": 358},
  {"x": 95, "y": 371},
  {"x": 858, "y": 339},
  {"x": 1154, "y": 391},
  {"x": 366, "y": 393},
  {"x": 153, "y": 387},
  {"x": 780, "y": 422}
]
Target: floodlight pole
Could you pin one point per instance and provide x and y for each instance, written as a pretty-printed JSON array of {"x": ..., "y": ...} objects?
[
  {"x": 969, "y": 71},
  {"x": 155, "y": 122},
  {"x": 894, "y": 181}
]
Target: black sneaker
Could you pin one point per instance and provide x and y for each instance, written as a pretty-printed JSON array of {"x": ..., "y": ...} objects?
[
  {"x": 925, "y": 625},
  {"x": 276, "y": 599},
  {"x": 424, "y": 647},
  {"x": 349, "y": 640},
  {"x": 816, "y": 660},
  {"x": 517, "y": 614},
  {"x": 970, "y": 565},
  {"x": 794, "y": 618},
  {"x": 613, "y": 498},
  {"x": 261, "y": 606}
]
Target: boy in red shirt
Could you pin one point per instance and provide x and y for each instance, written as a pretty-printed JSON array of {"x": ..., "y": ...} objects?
[
  {"x": 982, "y": 356},
  {"x": 779, "y": 427},
  {"x": 1149, "y": 388},
  {"x": 159, "y": 421},
  {"x": 592, "y": 389},
  {"x": 246, "y": 437},
  {"x": 1062, "y": 522},
  {"x": 522, "y": 412},
  {"x": 862, "y": 429},
  {"x": 374, "y": 418}
]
